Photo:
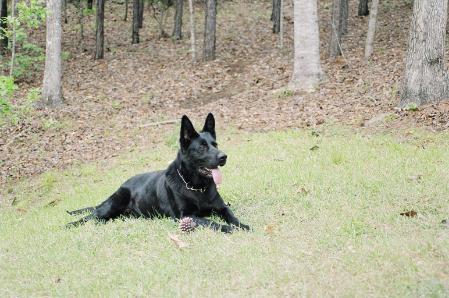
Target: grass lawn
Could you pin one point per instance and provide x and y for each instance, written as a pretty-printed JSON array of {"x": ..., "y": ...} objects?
[{"x": 326, "y": 223}]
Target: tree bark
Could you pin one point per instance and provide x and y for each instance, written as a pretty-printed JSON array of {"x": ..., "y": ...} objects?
[
  {"x": 141, "y": 10},
  {"x": 307, "y": 72},
  {"x": 281, "y": 24},
  {"x": 336, "y": 29},
  {"x": 177, "y": 29},
  {"x": 65, "y": 11},
  {"x": 426, "y": 78},
  {"x": 135, "y": 24},
  {"x": 192, "y": 30},
  {"x": 344, "y": 16},
  {"x": 276, "y": 16},
  {"x": 90, "y": 4},
  {"x": 3, "y": 25},
  {"x": 52, "y": 86},
  {"x": 209, "y": 30},
  {"x": 371, "y": 29},
  {"x": 99, "y": 31},
  {"x": 363, "y": 8},
  {"x": 13, "y": 41}
]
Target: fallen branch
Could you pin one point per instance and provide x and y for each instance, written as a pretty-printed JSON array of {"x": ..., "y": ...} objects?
[{"x": 159, "y": 123}]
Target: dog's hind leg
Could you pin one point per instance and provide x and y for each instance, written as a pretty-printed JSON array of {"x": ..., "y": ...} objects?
[
  {"x": 81, "y": 211},
  {"x": 113, "y": 207}
]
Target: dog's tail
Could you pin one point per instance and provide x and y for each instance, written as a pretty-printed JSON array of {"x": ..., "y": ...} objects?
[{"x": 82, "y": 210}]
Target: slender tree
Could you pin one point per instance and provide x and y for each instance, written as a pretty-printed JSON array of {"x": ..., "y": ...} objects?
[
  {"x": 363, "y": 8},
  {"x": 209, "y": 30},
  {"x": 336, "y": 29},
  {"x": 141, "y": 10},
  {"x": 135, "y": 24},
  {"x": 192, "y": 30},
  {"x": 125, "y": 17},
  {"x": 276, "y": 16},
  {"x": 344, "y": 16},
  {"x": 52, "y": 86},
  {"x": 3, "y": 25},
  {"x": 81, "y": 26},
  {"x": 177, "y": 28},
  {"x": 90, "y": 4},
  {"x": 371, "y": 29},
  {"x": 99, "y": 31},
  {"x": 426, "y": 77},
  {"x": 307, "y": 72}
]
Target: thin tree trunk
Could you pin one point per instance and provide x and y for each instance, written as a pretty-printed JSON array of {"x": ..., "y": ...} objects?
[
  {"x": 125, "y": 17},
  {"x": 209, "y": 30},
  {"x": 99, "y": 32},
  {"x": 307, "y": 72},
  {"x": 281, "y": 24},
  {"x": 52, "y": 86},
  {"x": 371, "y": 29},
  {"x": 3, "y": 25},
  {"x": 276, "y": 16},
  {"x": 141, "y": 10},
  {"x": 135, "y": 24},
  {"x": 177, "y": 29},
  {"x": 65, "y": 11},
  {"x": 363, "y": 8},
  {"x": 335, "y": 30},
  {"x": 426, "y": 78},
  {"x": 90, "y": 4},
  {"x": 81, "y": 26},
  {"x": 192, "y": 30},
  {"x": 344, "y": 16},
  {"x": 13, "y": 42}
]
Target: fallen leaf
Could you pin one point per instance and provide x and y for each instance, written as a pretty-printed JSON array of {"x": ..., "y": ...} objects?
[
  {"x": 410, "y": 213},
  {"x": 269, "y": 229},
  {"x": 445, "y": 223},
  {"x": 315, "y": 147},
  {"x": 178, "y": 242},
  {"x": 302, "y": 190}
]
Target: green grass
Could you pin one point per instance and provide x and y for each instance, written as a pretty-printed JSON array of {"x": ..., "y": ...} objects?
[{"x": 326, "y": 223}]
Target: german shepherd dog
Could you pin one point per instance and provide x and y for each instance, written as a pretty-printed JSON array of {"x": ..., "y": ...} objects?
[{"x": 187, "y": 188}]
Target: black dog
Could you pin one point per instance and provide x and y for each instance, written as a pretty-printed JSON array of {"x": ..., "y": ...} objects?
[{"x": 187, "y": 188}]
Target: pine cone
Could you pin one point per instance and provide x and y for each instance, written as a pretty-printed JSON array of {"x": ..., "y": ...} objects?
[{"x": 187, "y": 224}]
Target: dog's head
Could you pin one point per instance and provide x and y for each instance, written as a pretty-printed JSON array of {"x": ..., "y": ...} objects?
[{"x": 200, "y": 150}]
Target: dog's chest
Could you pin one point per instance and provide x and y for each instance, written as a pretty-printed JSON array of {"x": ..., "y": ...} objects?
[{"x": 195, "y": 206}]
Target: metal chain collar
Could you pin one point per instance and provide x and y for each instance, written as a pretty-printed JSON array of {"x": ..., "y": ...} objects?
[{"x": 187, "y": 184}]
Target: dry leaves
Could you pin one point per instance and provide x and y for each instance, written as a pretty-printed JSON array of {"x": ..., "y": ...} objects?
[
  {"x": 410, "y": 213},
  {"x": 177, "y": 241}
]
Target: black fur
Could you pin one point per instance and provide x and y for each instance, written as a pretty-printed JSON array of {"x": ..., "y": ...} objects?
[{"x": 165, "y": 193}]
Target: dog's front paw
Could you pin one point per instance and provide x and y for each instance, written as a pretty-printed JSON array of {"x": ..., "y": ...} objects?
[
  {"x": 227, "y": 229},
  {"x": 244, "y": 227}
]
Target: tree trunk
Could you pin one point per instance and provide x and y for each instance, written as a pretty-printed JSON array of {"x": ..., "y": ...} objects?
[
  {"x": 99, "y": 32},
  {"x": 52, "y": 87},
  {"x": 65, "y": 11},
  {"x": 90, "y": 4},
  {"x": 3, "y": 25},
  {"x": 13, "y": 41},
  {"x": 371, "y": 29},
  {"x": 363, "y": 8},
  {"x": 276, "y": 16},
  {"x": 141, "y": 10},
  {"x": 209, "y": 30},
  {"x": 177, "y": 29},
  {"x": 307, "y": 73},
  {"x": 281, "y": 24},
  {"x": 81, "y": 26},
  {"x": 192, "y": 30},
  {"x": 426, "y": 78},
  {"x": 125, "y": 17},
  {"x": 344, "y": 16},
  {"x": 336, "y": 29},
  {"x": 135, "y": 24}
]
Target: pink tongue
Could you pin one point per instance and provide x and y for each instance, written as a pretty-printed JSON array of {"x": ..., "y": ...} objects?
[{"x": 216, "y": 174}]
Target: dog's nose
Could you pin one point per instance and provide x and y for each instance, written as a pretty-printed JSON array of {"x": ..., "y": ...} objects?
[{"x": 222, "y": 159}]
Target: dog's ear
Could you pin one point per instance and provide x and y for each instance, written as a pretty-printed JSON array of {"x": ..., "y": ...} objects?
[
  {"x": 188, "y": 132},
  {"x": 209, "y": 125}
]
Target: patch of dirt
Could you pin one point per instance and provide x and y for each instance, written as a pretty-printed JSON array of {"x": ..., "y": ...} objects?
[{"x": 111, "y": 103}]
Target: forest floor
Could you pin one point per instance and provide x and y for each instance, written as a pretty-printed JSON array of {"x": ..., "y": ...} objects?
[{"x": 112, "y": 105}]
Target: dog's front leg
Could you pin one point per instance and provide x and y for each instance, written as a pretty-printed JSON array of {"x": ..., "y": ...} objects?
[
  {"x": 211, "y": 224},
  {"x": 226, "y": 214}
]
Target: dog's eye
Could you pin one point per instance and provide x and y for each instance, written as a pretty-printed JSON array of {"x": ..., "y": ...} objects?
[
  {"x": 214, "y": 144},
  {"x": 204, "y": 144}
]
